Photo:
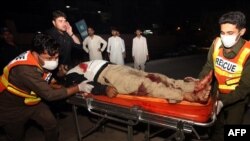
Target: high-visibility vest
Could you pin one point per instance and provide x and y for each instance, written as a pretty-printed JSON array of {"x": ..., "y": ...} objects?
[
  {"x": 26, "y": 58},
  {"x": 228, "y": 71}
]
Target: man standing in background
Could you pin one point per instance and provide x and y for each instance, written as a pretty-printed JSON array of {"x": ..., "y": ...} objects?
[
  {"x": 116, "y": 48},
  {"x": 139, "y": 50},
  {"x": 94, "y": 45},
  {"x": 8, "y": 48},
  {"x": 63, "y": 34}
]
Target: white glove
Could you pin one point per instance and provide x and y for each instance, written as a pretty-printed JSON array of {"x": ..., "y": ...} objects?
[
  {"x": 219, "y": 107},
  {"x": 85, "y": 87}
]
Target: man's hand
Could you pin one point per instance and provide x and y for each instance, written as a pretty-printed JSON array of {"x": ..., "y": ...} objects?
[
  {"x": 69, "y": 29},
  {"x": 204, "y": 94},
  {"x": 111, "y": 91},
  {"x": 85, "y": 87},
  {"x": 200, "y": 97},
  {"x": 204, "y": 81},
  {"x": 54, "y": 84},
  {"x": 62, "y": 70}
]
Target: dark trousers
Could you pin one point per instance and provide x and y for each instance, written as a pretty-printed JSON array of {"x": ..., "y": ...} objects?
[
  {"x": 39, "y": 113},
  {"x": 232, "y": 114}
]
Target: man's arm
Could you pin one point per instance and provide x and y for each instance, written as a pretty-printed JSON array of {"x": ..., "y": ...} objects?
[
  {"x": 98, "y": 89},
  {"x": 109, "y": 47},
  {"x": 30, "y": 79},
  {"x": 104, "y": 44},
  {"x": 133, "y": 49},
  {"x": 84, "y": 45},
  {"x": 72, "y": 35},
  {"x": 75, "y": 40},
  {"x": 123, "y": 48},
  {"x": 123, "y": 45},
  {"x": 146, "y": 48}
]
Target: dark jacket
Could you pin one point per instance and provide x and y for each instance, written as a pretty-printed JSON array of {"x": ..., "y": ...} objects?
[
  {"x": 66, "y": 44},
  {"x": 8, "y": 52}
]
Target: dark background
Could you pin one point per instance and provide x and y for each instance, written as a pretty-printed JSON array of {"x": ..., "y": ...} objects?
[
  {"x": 162, "y": 16},
  {"x": 197, "y": 19}
]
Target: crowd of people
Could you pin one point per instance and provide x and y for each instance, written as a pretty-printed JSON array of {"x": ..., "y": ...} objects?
[{"x": 31, "y": 79}]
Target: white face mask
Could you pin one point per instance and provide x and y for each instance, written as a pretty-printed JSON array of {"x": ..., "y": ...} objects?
[
  {"x": 229, "y": 40},
  {"x": 50, "y": 65}
]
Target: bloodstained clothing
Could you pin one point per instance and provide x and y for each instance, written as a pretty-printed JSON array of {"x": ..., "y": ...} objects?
[{"x": 132, "y": 81}]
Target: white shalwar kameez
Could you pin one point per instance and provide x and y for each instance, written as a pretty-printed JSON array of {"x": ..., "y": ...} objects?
[
  {"x": 94, "y": 44},
  {"x": 139, "y": 52},
  {"x": 116, "y": 48}
]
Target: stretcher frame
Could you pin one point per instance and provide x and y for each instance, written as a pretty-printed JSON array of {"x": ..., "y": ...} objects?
[{"x": 131, "y": 116}]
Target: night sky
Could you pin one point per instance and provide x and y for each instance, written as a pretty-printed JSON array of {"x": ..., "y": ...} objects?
[{"x": 160, "y": 15}]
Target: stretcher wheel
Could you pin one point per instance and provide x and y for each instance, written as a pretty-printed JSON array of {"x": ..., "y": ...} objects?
[{"x": 179, "y": 136}]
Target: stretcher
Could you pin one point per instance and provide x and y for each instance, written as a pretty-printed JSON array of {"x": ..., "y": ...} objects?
[{"x": 128, "y": 109}]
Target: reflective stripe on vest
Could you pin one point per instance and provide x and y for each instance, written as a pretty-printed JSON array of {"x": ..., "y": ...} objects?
[
  {"x": 25, "y": 58},
  {"x": 228, "y": 71}
]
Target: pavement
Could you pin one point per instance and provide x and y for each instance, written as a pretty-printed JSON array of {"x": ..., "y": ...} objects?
[{"x": 177, "y": 68}]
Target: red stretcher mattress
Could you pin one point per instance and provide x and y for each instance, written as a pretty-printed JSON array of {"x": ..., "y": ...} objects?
[{"x": 184, "y": 110}]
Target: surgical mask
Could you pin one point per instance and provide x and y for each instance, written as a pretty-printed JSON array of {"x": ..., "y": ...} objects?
[
  {"x": 50, "y": 65},
  {"x": 229, "y": 40}
]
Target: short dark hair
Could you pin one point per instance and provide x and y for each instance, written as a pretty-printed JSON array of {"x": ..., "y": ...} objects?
[
  {"x": 114, "y": 28},
  {"x": 138, "y": 29},
  {"x": 235, "y": 17},
  {"x": 56, "y": 14},
  {"x": 91, "y": 27},
  {"x": 42, "y": 42}
]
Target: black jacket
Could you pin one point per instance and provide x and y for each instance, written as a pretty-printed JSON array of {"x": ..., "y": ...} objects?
[{"x": 66, "y": 44}]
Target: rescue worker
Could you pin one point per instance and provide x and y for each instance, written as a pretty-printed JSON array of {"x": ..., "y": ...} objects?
[
  {"x": 228, "y": 57},
  {"x": 128, "y": 80},
  {"x": 24, "y": 87}
]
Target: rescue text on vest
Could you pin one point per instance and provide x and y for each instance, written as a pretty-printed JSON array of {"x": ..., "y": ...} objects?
[{"x": 225, "y": 65}]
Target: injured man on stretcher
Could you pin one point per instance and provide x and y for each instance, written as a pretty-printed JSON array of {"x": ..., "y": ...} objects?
[{"x": 120, "y": 79}]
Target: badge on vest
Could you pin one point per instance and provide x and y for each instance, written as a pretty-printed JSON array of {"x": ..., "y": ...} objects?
[{"x": 225, "y": 65}]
